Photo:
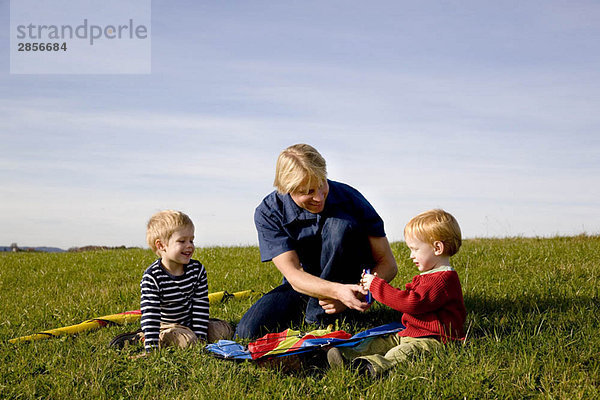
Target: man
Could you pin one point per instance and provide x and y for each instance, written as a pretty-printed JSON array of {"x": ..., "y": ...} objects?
[{"x": 320, "y": 234}]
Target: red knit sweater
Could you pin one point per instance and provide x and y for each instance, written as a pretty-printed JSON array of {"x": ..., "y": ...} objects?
[{"x": 432, "y": 304}]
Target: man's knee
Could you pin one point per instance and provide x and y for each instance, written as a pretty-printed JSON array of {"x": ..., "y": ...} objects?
[
  {"x": 274, "y": 310},
  {"x": 243, "y": 331}
]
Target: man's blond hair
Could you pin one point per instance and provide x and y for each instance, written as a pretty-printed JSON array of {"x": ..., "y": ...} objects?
[
  {"x": 162, "y": 225},
  {"x": 299, "y": 165},
  {"x": 433, "y": 226}
]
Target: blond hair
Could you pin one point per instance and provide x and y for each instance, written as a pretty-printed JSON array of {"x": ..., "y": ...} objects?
[
  {"x": 299, "y": 165},
  {"x": 163, "y": 224},
  {"x": 433, "y": 226}
]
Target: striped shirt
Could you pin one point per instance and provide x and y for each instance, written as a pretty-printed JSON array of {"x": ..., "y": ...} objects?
[{"x": 174, "y": 299}]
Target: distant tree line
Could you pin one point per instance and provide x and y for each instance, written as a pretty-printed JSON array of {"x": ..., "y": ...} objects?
[
  {"x": 96, "y": 248},
  {"x": 14, "y": 247}
]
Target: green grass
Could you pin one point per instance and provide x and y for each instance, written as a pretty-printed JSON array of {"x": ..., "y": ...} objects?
[{"x": 533, "y": 329}]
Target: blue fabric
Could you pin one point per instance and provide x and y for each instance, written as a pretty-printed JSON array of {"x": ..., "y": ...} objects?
[
  {"x": 235, "y": 351},
  {"x": 229, "y": 349},
  {"x": 386, "y": 329}
]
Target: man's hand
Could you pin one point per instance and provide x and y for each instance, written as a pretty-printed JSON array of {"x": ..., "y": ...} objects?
[
  {"x": 332, "y": 306},
  {"x": 350, "y": 296}
]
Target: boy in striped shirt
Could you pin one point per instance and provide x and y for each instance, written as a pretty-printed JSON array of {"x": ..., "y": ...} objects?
[{"x": 174, "y": 289}]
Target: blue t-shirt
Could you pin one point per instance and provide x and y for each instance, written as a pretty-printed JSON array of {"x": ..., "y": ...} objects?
[{"x": 283, "y": 226}]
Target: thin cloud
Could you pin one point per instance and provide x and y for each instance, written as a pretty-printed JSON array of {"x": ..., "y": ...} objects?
[{"x": 484, "y": 109}]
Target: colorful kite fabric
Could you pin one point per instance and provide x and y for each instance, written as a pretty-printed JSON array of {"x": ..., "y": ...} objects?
[{"x": 291, "y": 342}]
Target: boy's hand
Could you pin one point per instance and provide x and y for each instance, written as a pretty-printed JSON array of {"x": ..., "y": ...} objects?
[{"x": 366, "y": 280}]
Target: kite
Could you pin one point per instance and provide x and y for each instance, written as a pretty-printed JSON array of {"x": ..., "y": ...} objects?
[
  {"x": 118, "y": 319},
  {"x": 272, "y": 349}
]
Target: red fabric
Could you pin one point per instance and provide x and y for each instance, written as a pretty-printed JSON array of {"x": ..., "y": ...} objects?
[
  {"x": 266, "y": 343},
  {"x": 432, "y": 305},
  {"x": 270, "y": 341}
]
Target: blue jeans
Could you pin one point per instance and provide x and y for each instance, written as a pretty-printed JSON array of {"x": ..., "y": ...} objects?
[{"x": 342, "y": 254}]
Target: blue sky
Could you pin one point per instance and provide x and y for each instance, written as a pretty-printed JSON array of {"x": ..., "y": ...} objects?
[{"x": 486, "y": 109}]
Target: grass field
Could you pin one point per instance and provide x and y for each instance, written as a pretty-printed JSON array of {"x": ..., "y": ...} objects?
[{"x": 533, "y": 329}]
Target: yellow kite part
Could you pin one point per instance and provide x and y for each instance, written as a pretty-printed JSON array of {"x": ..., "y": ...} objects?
[{"x": 118, "y": 319}]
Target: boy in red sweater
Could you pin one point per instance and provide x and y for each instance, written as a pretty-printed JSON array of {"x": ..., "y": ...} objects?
[{"x": 432, "y": 304}]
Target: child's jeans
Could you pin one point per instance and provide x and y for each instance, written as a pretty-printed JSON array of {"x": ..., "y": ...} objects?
[
  {"x": 176, "y": 335},
  {"x": 384, "y": 352},
  {"x": 183, "y": 337}
]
